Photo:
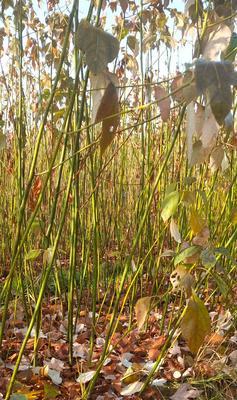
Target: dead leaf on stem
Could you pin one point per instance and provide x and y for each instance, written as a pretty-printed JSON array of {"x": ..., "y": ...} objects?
[
  {"x": 99, "y": 47},
  {"x": 105, "y": 106}
]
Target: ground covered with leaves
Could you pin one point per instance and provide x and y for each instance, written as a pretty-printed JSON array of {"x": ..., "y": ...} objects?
[{"x": 211, "y": 374}]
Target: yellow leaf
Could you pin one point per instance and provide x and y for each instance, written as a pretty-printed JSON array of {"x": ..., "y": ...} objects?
[
  {"x": 234, "y": 216},
  {"x": 142, "y": 307},
  {"x": 196, "y": 323},
  {"x": 197, "y": 223},
  {"x": 188, "y": 197}
]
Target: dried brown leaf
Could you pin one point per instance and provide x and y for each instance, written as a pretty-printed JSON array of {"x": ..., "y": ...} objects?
[{"x": 163, "y": 102}]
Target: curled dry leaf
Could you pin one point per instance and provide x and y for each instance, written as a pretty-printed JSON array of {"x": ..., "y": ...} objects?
[
  {"x": 99, "y": 47},
  {"x": 55, "y": 364},
  {"x": 199, "y": 154},
  {"x": 183, "y": 87},
  {"x": 163, "y": 102},
  {"x": 105, "y": 106},
  {"x": 174, "y": 231},
  {"x": 133, "y": 44},
  {"x": 201, "y": 123},
  {"x": 142, "y": 308},
  {"x": 182, "y": 279},
  {"x": 48, "y": 372},
  {"x": 216, "y": 158},
  {"x": 85, "y": 377},
  {"x": 201, "y": 239},
  {"x": 131, "y": 389},
  {"x": 186, "y": 392}
]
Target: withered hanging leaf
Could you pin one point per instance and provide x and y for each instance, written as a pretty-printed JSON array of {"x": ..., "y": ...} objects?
[
  {"x": 142, "y": 307},
  {"x": 215, "y": 41},
  {"x": 216, "y": 158},
  {"x": 176, "y": 88},
  {"x": 123, "y": 5},
  {"x": 163, "y": 102},
  {"x": 210, "y": 129},
  {"x": 105, "y": 106},
  {"x": 108, "y": 112},
  {"x": 214, "y": 72},
  {"x": 133, "y": 44},
  {"x": 193, "y": 8},
  {"x": 190, "y": 128},
  {"x": 99, "y": 47},
  {"x": 220, "y": 99},
  {"x": 199, "y": 154},
  {"x": 195, "y": 324},
  {"x": 214, "y": 79},
  {"x": 202, "y": 237},
  {"x": 199, "y": 120},
  {"x": 99, "y": 84},
  {"x": 183, "y": 87},
  {"x": 225, "y": 8}
]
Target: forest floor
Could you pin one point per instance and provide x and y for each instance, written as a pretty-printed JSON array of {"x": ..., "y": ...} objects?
[{"x": 212, "y": 374}]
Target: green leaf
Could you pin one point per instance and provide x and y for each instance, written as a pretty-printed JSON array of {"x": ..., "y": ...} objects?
[
  {"x": 169, "y": 205},
  {"x": 222, "y": 285},
  {"x": 18, "y": 396},
  {"x": 196, "y": 323},
  {"x": 32, "y": 254},
  {"x": 208, "y": 258},
  {"x": 186, "y": 253},
  {"x": 225, "y": 252},
  {"x": 231, "y": 51},
  {"x": 50, "y": 391},
  {"x": 2, "y": 141}
]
